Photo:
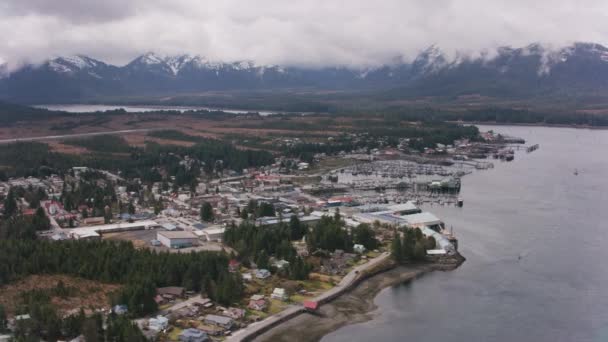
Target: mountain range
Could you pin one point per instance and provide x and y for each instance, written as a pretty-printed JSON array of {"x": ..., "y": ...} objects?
[{"x": 534, "y": 70}]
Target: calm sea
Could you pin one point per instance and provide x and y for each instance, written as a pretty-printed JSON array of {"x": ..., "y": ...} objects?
[{"x": 535, "y": 236}]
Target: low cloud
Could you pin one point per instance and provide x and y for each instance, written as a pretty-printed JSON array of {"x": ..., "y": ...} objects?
[{"x": 311, "y": 32}]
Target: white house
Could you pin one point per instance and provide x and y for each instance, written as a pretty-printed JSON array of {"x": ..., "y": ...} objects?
[
  {"x": 359, "y": 248},
  {"x": 262, "y": 273},
  {"x": 279, "y": 293},
  {"x": 159, "y": 323}
]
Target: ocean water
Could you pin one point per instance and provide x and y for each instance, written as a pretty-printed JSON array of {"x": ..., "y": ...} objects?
[{"x": 535, "y": 236}]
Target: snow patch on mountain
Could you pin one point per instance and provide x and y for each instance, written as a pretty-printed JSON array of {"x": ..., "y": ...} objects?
[
  {"x": 71, "y": 64},
  {"x": 150, "y": 58}
]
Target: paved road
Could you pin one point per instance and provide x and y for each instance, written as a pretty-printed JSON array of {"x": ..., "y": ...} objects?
[
  {"x": 270, "y": 321},
  {"x": 77, "y": 135},
  {"x": 351, "y": 277}
]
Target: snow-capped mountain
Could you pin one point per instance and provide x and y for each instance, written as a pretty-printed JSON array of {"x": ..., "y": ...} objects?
[
  {"x": 509, "y": 72},
  {"x": 173, "y": 65},
  {"x": 73, "y": 63}
]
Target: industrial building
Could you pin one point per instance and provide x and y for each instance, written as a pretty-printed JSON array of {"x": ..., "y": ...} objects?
[
  {"x": 424, "y": 219},
  {"x": 177, "y": 239},
  {"x": 92, "y": 232}
]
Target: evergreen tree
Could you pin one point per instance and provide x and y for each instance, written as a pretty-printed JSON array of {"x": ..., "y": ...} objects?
[
  {"x": 40, "y": 221},
  {"x": 431, "y": 243},
  {"x": 90, "y": 329},
  {"x": 207, "y": 212},
  {"x": 263, "y": 260},
  {"x": 265, "y": 209},
  {"x": 419, "y": 250},
  {"x": 365, "y": 235},
  {"x": 396, "y": 248},
  {"x": 158, "y": 207},
  {"x": 3, "y": 320},
  {"x": 131, "y": 208},
  {"x": 296, "y": 228},
  {"x": 10, "y": 204}
]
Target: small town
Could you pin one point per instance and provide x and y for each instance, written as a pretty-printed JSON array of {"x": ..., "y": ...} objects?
[
  {"x": 274, "y": 171},
  {"x": 295, "y": 234}
]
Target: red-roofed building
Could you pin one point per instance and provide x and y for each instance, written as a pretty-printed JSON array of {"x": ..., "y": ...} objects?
[
  {"x": 28, "y": 212},
  {"x": 233, "y": 265},
  {"x": 311, "y": 305}
]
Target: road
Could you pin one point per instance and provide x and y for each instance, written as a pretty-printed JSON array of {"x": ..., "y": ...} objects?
[
  {"x": 350, "y": 278},
  {"x": 76, "y": 135},
  {"x": 257, "y": 328}
]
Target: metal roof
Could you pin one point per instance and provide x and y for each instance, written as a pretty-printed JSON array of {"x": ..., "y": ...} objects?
[
  {"x": 421, "y": 218},
  {"x": 92, "y": 230},
  {"x": 223, "y": 320},
  {"x": 178, "y": 235}
]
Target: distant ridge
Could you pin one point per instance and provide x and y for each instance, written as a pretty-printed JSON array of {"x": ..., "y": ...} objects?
[{"x": 513, "y": 72}]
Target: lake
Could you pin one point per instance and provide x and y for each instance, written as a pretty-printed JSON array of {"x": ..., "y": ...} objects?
[
  {"x": 91, "y": 108},
  {"x": 535, "y": 237}
]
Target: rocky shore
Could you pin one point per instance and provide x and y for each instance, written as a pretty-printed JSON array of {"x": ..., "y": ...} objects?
[{"x": 355, "y": 306}]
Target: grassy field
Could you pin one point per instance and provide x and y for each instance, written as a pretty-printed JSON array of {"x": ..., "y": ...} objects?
[
  {"x": 174, "y": 334},
  {"x": 276, "y": 306}
]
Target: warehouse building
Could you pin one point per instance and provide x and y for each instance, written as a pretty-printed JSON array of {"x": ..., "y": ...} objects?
[{"x": 177, "y": 239}]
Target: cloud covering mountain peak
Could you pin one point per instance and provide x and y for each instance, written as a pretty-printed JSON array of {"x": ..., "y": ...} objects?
[{"x": 308, "y": 33}]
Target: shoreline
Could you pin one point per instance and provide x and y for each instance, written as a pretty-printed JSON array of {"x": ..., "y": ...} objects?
[
  {"x": 490, "y": 123},
  {"x": 353, "y": 307}
]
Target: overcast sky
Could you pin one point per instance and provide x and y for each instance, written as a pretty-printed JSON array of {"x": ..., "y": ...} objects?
[{"x": 311, "y": 32}]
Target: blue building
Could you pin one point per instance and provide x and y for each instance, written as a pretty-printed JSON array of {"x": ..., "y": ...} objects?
[{"x": 193, "y": 335}]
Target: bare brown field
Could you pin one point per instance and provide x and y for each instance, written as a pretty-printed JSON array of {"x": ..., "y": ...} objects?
[
  {"x": 140, "y": 140},
  {"x": 57, "y": 146},
  {"x": 91, "y": 294},
  {"x": 238, "y": 127}
]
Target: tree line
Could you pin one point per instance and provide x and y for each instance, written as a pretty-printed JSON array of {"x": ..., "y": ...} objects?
[
  {"x": 23, "y": 159},
  {"x": 140, "y": 270},
  {"x": 256, "y": 244},
  {"x": 331, "y": 233},
  {"x": 411, "y": 245}
]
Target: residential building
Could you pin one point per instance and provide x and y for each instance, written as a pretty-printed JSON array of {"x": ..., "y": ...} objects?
[
  {"x": 171, "y": 292},
  {"x": 233, "y": 266},
  {"x": 279, "y": 293},
  {"x": 158, "y": 324},
  {"x": 262, "y": 273},
  {"x": 120, "y": 309},
  {"x": 281, "y": 264},
  {"x": 193, "y": 335},
  {"x": 258, "y": 304},
  {"x": 220, "y": 321},
  {"x": 359, "y": 248}
]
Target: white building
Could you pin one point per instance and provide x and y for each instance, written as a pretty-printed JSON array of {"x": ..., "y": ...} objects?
[
  {"x": 424, "y": 219},
  {"x": 177, "y": 239},
  {"x": 214, "y": 233},
  {"x": 359, "y": 248},
  {"x": 96, "y": 231},
  {"x": 159, "y": 323},
  {"x": 279, "y": 293}
]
